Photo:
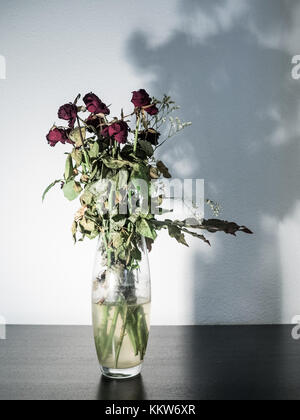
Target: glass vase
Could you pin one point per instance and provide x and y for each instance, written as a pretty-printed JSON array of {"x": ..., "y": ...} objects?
[{"x": 121, "y": 300}]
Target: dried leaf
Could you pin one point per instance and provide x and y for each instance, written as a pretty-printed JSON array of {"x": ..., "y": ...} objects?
[
  {"x": 69, "y": 170},
  {"x": 163, "y": 169},
  {"x": 49, "y": 188},
  {"x": 154, "y": 173},
  {"x": 215, "y": 225},
  {"x": 76, "y": 136}
]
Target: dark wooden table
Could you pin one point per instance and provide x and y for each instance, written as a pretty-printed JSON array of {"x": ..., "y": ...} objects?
[{"x": 189, "y": 363}]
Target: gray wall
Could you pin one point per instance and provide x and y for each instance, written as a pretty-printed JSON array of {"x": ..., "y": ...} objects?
[{"x": 228, "y": 64}]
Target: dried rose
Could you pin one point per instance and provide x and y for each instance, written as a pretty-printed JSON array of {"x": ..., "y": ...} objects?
[
  {"x": 119, "y": 131},
  {"x": 152, "y": 110},
  {"x": 58, "y": 135},
  {"x": 68, "y": 112},
  {"x": 141, "y": 98},
  {"x": 95, "y": 105},
  {"x": 93, "y": 121},
  {"x": 104, "y": 131}
]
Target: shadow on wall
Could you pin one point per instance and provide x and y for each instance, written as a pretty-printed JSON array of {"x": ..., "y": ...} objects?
[{"x": 232, "y": 87}]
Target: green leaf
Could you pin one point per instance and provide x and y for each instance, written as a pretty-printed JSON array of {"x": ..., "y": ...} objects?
[
  {"x": 76, "y": 137},
  {"x": 94, "y": 150},
  {"x": 175, "y": 232},
  {"x": 118, "y": 221},
  {"x": 74, "y": 231},
  {"x": 49, "y": 188},
  {"x": 146, "y": 147},
  {"x": 115, "y": 163},
  {"x": 135, "y": 254},
  {"x": 72, "y": 190},
  {"x": 95, "y": 170},
  {"x": 133, "y": 218},
  {"x": 86, "y": 198},
  {"x": 117, "y": 240},
  {"x": 77, "y": 156},
  {"x": 69, "y": 170},
  {"x": 140, "y": 172},
  {"x": 197, "y": 235},
  {"x": 144, "y": 228},
  {"x": 86, "y": 159},
  {"x": 87, "y": 225}
]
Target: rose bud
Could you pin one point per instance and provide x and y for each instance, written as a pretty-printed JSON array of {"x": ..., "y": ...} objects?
[
  {"x": 140, "y": 98},
  {"x": 58, "y": 135},
  {"x": 95, "y": 105},
  {"x": 119, "y": 131},
  {"x": 150, "y": 135},
  {"x": 152, "y": 110},
  {"x": 68, "y": 112}
]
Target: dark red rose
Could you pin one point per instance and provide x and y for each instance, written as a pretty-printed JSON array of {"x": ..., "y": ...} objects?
[
  {"x": 58, "y": 135},
  {"x": 95, "y": 105},
  {"x": 152, "y": 110},
  {"x": 119, "y": 131},
  {"x": 140, "y": 98},
  {"x": 150, "y": 135},
  {"x": 68, "y": 112}
]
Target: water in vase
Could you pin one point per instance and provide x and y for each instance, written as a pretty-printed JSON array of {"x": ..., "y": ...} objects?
[{"x": 121, "y": 332}]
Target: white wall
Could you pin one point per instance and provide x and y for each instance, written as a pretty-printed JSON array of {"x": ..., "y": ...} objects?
[{"x": 228, "y": 64}]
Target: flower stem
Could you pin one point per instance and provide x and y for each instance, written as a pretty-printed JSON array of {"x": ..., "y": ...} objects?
[
  {"x": 115, "y": 149},
  {"x": 111, "y": 333},
  {"x": 137, "y": 132},
  {"x": 122, "y": 335},
  {"x": 86, "y": 156}
]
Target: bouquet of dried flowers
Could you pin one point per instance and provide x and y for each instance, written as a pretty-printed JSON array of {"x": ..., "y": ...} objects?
[{"x": 112, "y": 169}]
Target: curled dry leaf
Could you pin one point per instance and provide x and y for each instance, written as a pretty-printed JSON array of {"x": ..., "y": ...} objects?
[
  {"x": 163, "y": 169},
  {"x": 215, "y": 225},
  {"x": 80, "y": 213},
  {"x": 154, "y": 173}
]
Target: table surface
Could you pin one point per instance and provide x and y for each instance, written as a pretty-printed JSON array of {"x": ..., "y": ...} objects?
[{"x": 182, "y": 363}]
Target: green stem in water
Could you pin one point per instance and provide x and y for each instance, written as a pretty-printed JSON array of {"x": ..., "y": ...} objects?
[
  {"x": 105, "y": 321},
  {"x": 140, "y": 334},
  {"x": 122, "y": 335},
  {"x": 132, "y": 336},
  {"x": 102, "y": 336},
  {"x": 111, "y": 333},
  {"x": 145, "y": 333}
]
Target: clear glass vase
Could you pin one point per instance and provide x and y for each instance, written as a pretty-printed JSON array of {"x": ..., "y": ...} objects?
[{"x": 121, "y": 301}]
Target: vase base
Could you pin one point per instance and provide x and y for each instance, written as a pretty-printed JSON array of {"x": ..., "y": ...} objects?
[{"x": 121, "y": 373}]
